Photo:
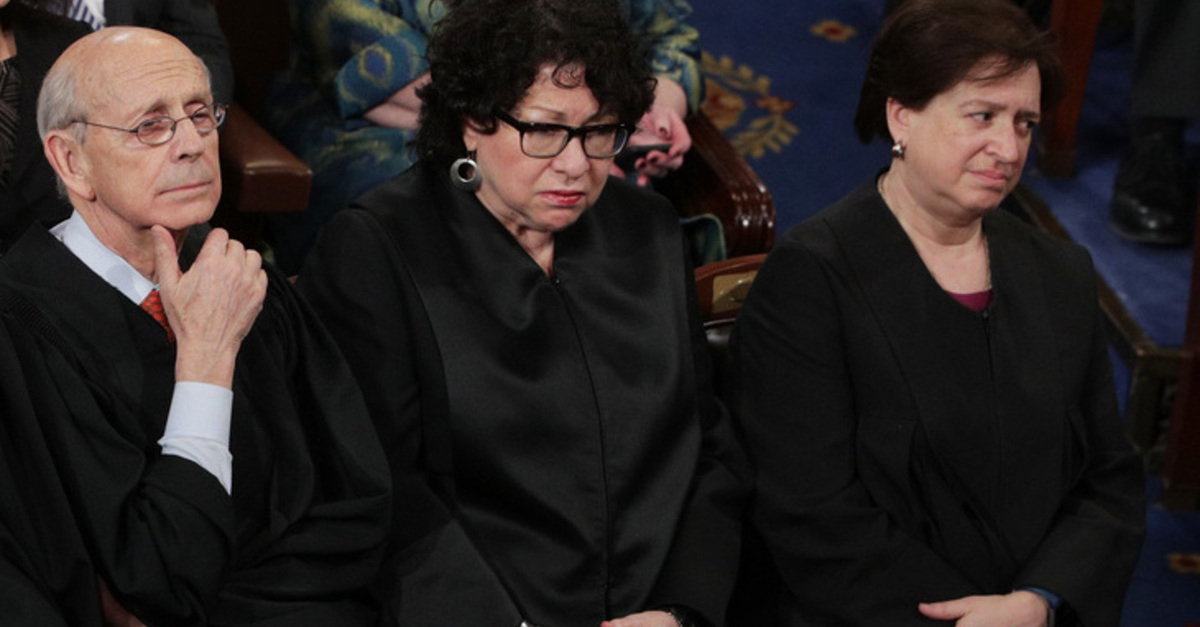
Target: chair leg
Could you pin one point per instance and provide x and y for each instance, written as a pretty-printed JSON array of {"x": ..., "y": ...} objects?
[
  {"x": 1181, "y": 466},
  {"x": 1075, "y": 23}
]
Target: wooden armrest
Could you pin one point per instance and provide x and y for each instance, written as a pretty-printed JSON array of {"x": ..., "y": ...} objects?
[
  {"x": 259, "y": 175},
  {"x": 715, "y": 179},
  {"x": 1074, "y": 23},
  {"x": 721, "y": 286}
]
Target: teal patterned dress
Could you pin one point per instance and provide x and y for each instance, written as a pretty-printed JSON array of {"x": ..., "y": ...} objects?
[{"x": 350, "y": 55}]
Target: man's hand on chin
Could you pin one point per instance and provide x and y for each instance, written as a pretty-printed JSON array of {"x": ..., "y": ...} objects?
[{"x": 212, "y": 306}]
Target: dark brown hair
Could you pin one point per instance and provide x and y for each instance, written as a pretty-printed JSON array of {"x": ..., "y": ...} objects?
[
  {"x": 484, "y": 55},
  {"x": 927, "y": 47}
]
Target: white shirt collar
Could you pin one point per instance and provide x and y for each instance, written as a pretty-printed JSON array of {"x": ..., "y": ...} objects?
[
  {"x": 89, "y": 11},
  {"x": 75, "y": 234}
]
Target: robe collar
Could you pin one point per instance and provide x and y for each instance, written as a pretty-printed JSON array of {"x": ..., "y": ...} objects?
[{"x": 1024, "y": 407}]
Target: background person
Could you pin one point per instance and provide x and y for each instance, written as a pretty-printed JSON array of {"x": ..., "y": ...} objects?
[
  {"x": 348, "y": 104},
  {"x": 1153, "y": 200},
  {"x": 31, "y": 38},
  {"x": 922, "y": 380},
  {"x": 525, "y": 331}
]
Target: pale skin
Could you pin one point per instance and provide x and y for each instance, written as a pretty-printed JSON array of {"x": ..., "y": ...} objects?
[
  {"x": 956, "y": 255},
  {"x": 653, "y": 618},
  {"x": 1020, "y": 608},
  {"x": 662, "y": 124},
  {"x": 535, "y": 198},
  {"x": 8, "y": 41},
  {"x": 403, "y": 109},
  {"x": 964, "y": 153}
]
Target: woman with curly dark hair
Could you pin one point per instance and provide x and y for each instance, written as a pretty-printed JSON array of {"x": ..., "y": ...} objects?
[
  {"x": 32, "y": 35},
  {"x": 524, "y": 329},
  {"x": 348, "y": 102}
]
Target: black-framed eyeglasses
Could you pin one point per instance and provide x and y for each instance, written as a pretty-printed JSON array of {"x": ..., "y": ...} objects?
[
  {"x": 160, "y": 130},
  {"x": 543, "y": 140}
]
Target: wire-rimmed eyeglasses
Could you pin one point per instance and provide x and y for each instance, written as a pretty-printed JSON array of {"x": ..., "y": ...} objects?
[
  {"x": 160, "y": 130},
  {"x": 542, "y": 140}
]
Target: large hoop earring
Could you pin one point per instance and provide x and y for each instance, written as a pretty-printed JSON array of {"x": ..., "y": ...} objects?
[
  {"x": 898, "y": 149},
  {"x": 472, "y": 180}
]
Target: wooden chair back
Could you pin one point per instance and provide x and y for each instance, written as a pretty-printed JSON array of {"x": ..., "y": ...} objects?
[
  {"x": 259, "y": 39},
  {"x": 716, "y": 180},
  {"x": 260, "y": 175}
]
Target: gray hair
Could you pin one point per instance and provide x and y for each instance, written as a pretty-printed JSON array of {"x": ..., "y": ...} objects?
[{"x": 58, "y": 104}]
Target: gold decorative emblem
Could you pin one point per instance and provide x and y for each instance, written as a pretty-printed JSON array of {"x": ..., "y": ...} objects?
[
  {"x": 1184, "y": 563},
  {"x": 833, "y": 30},
  {"x": 727, "y": 89}
]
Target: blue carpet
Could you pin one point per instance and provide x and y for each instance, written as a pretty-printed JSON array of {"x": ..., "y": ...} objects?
[
  {"x": 1165, "y": 591},
  {"x": 783, "y": 80}
]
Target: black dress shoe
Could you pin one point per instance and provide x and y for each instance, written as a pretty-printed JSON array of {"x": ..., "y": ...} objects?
[{"x": 1149, "y": 205}]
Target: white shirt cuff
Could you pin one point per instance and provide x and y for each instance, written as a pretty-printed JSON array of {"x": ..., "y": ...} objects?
[{"x": 198, "y": 428}]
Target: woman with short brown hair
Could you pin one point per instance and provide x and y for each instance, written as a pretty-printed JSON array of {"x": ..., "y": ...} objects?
[{"x": 923, "y": 380}]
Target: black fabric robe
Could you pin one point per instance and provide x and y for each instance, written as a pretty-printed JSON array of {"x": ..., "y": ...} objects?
[
  {"x": 557, "y": 436},
  {"x": 299, "y": 541},
  {"x": 31, "y": 194},
  {"x": 909, "y": 449},
  {"x": 46, "y": 577}
]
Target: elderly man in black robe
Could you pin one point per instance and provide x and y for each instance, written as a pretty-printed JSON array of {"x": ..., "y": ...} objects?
[{"x": 214, "y": 450}]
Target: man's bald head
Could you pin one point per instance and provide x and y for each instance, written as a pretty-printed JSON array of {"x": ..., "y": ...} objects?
[{"x": 84, "y": 74}]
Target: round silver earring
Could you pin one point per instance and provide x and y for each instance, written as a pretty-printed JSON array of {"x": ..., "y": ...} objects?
[
  {"x": 464, "y": 173},
  {"x": 898, "y": 150}
]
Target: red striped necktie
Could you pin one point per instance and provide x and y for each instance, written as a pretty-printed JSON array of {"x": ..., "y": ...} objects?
[{"x": 152, "y": 305}]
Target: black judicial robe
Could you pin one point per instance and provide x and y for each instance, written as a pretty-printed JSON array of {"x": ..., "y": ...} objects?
[
  {"x": 46, "y": 578},
  {"x": 557, "y": 436},
  {"x": 908, "y": 449},
  {"x": 24, "y": 599},
  {"x": 297, "y": 544}
]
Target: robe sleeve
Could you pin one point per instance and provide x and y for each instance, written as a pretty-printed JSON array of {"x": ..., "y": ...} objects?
[
  {"x": 363, "y": 52},
  {"x": 702, "y": 565},
  {"x": 46, "y": 578},
  {"x": 354, "y": 278},
  {"x": 837, "y": 552},
  {"x": 159, "y": 528},
  {"x": 1090, "y": 552},
  {"x": 316, "y": 473},
  {"x": 674, "y": 42}
]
